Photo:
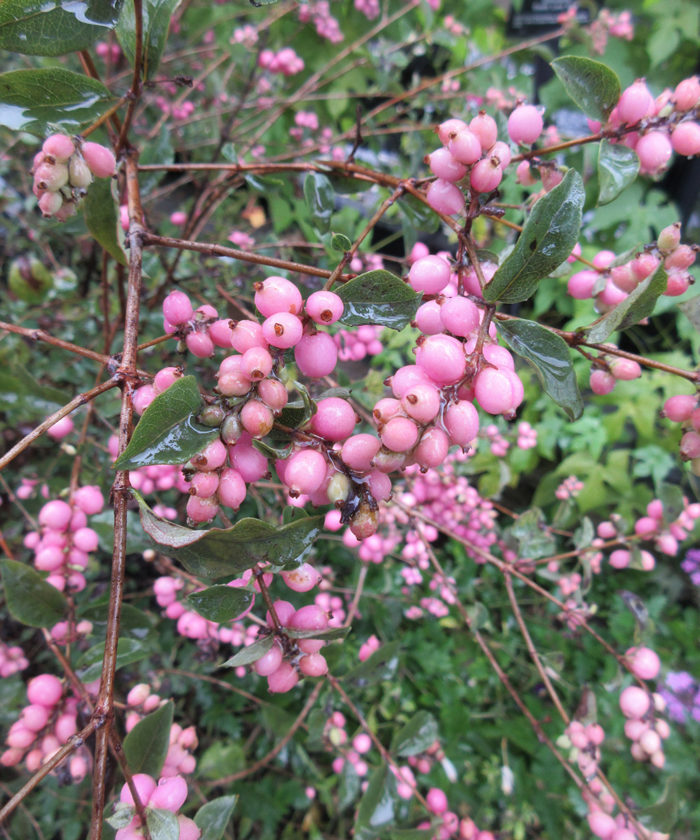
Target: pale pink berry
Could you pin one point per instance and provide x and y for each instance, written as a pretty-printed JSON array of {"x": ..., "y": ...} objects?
[
  {"x": 56, "y": 515},
  {"x": 581, "y": 284},
  {"x": 179, "y": 217},
  {"x": 58, "y": 146},
  {"x": 602, "y": 382},
  {"x": 277, "y": 294},
  {"x": 19, "y": 737},
  {"x": 493, "y": 391},
  {"x": 525, "y": 174},
  {"x": 635, "y": 103},
  {"x": 324, "y": 307},
  {"x": 35, "y": 716},
  {"x": 465, "y": 148},
  {"x": 625, "y": 369},
  {"x": 201, "y": 510},
  {"x": 45, "y": 690},
  {"x": 460, "y": 316},
  {"x": 269, "y": 662},
  {"x": 283, "y": 679},
  {"x": 634, "y": 702},
  {"x": 256, "y": 418},
  {"x": 316, "y": 355},
  {"x": 644, "y": 663},
  {"x": 247, "y": 334},
  {"x": 685, "y": 139},
  {"x": 89, "y": 499},
  {"x": 462, "y": 422},
  {"x": 284, "y": 611},
  {"x": 189, "y": 830},
  {"x": 432, "y": 448},
  {"x": 447, "y": 129},
  {"x": 221, "y": 332},
  {"x": 79, "y": 173},
  {"x": 273, "y": 393},
  {"x": 283, "y": 330},
  {"x": 310, "y": 617},
  {"x": 682, "y": 256},
  {"x": 301, "y": 579},
  {"x": 421, "y": 402},
  {"x": 601, "y": 824},
  {"x": 406, "y": 377},
  {"x": 485, "y": 129},
  {"x": 165, "y": 378},
  {"x": 177, "y": 308},
  {"x": 428, "y": 318},
  {"x": 429, "y": 274},
  {"x": 359, "y": 450},
  {"x": 313, "y": 665},
  {"x": 232, "y": 489},
  {"x": 199, "y": 344},
  {"x": 690, "y": 446},
  {"x": 100, "y": 159},
  {"x": 304, "y": 472},
  {"x": 436, "y": 800},
  {"x": 444, "y": 166},
  {"x": 525, "y": 124},
  {"x": 169, "y": 794},
  {"x": 442, "y": 358},
  {"x": 400, "y": 434},
  {"x": 679, "y": 408},
  {"x": 50, "y": 203},
  {"x": 486, "y": 175},
  {"x": 334, "y": 419},
  {"x": 251, "y": 464},
  {"x": 204, "y": 484},
  {"x": 654, "y": 151},
  {"x": 51, "y": 176},
  {"x": 444, "y": 197},
  {"x": 620, "y": 558},
  {"x": 256, "y": 363},
  {"x": 687, "y": 94},
  {"x": 211, "y": 457}
]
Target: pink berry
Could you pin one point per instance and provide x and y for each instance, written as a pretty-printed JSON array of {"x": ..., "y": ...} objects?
[
  {"x": 316, "y": 355},
  {"x": 625, "y": 369},
  {"x": 486, "y": 175},
  {"x": 602, "y": 382},
  {"x": 283, "y": 330},
  {"x": 283, "y": 679},
  {"x": 324, "y": 307},
  {"x": 601, "y": 824},
  {"x": 400, "y": 434},
  {"x": 432, "y": 448},
  {"x": 55, "y": 515},
  {"x": 493, "y": 391},
  {"x": 256, "y": 418},
  {"x": 201, "y": 510},
  {"x": 45, "y": 690},
  {"x": 277, "y": 294},
  {"x": 687, "y": 94},
  {"x": 444, "y": 197},
  {"x": 269, "y": 662},
  {"x": 525, "y": 174},
  {"x": 247, "y": 334},
  {"x": 169, "y": 794},
  {"x": 654, "y": 151},
  {"x": 232, "y": 489},
  {"x": 301, "y": 579},
  {"x": 634, "y": 702},
  {"x": 447, "y": 130},
  {"x": 50, "y": 203},
  {"x": 444, "y": 166},
  {"x": 436, "y": 800},
  {"x": 485, "y": 129},
  {"x": 620, "y": 558},
  {"x": 58, "y": 146},
  {"x": 220, "y": 333},
  {"x": 460, "y": 316},
  {"x": 644, "y": 663},
  {"x": 313, "y": 665},
  {"x": 442, "y": 358},
  {"x": 635, "y": 103},
  {"x": 334, "y": 419},
  {"x": 685, "y": 139},
  {"x": 525, "y": 124},
  {"x": 177, "y": 308},
  {"x": 359, "y": 450},
  {"x": 199, "y": 344},
  {"x": 462, "y": 422},
  {"x": 679, "y": 408},
  {"x": 430, "y": 275},
  {"x": 421, "y": 402},
  {"x": 465, "y": 148},
  {"x": 100, "y": 159},
  {"x": 273, "y": 393},
  {"x": 89, "y": 499},
  {"x": 305, "y": 471},
  {"x": 256, "y": 363},
  {"x": 581, "y": 284},
  {"x": 189, "y": 830}
]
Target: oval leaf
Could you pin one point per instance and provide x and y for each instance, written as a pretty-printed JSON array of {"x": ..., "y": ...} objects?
[
  {"x": 377, "y": 809},
  {"x": 220, "y": 603},
  {"x": 157, "y": 15},
  {"x": 162, "y": 824},
  {"x": 146, "y": 745},
  {"x": 594, "y": 87},
  {"x": 416, "y": 736},
  {"x": 320, "y": 199},
  {"x": 167, "y": 432},
  {"x": 128, "y": 651},
  {"x": 547, "y": 239},
  {"x": 378, "y": 297},
  {"x": 31, "y": 100},
  {"x": 29, "y": 598},
  {"x": 35, "y": 27},
  {"x": 251, "y": 653},
  {"x": 549, "y": 355},
  {"x": 618, "y": 166},
  {"x": 218, "y": 553},
  {"x": 102, "y": 220},
  {"x": 638, "y": 305},
  {"x": 340, "y": 242},
  {"x": 212, "y": 818}
]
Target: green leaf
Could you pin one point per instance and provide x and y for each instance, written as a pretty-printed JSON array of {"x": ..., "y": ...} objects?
[
  {"x": 327, "y": 635},
  {"x": 320, "y": 199},
  {"x": 156, "y": 22},
  {"x": 416, "y": 736},
  {"x": 638, "y": 305},
  {"x": 340, "y": 242},
  {"x": 593, "y": 86},
  {"x": 663, "y": 814},
  {"x": 146, "y": 745},
  {"x": 167, "y": 432},
  {"x": 347, "y": 185},
  {"x": 35, "y": 27},
  {"x": 378, "y": 297},
  {"x": 122, "y": 816},
  {"x": 102, "y": 219},
  {"x": 29, "y": 598},
  {"x": 550, "y": 356},
  {"x": 128, "y": 651},
  {"x": 690, "y": 308},
  {"x": 33, "y": 100},
  {"x": 380, "y": 666},
  {"x": 618, "y": 166},
  {"x": 251, "y": 653},
  {"x": 162, "y": 824},
  {"x": 220, "y": 603},
  {"x": 547, "y": 239},
  {"x": 529, "y": 536},
  {"x": 212, "y": 818},
  {"x": 376, "y": 810},
  {"x": 217, "y": 552}
]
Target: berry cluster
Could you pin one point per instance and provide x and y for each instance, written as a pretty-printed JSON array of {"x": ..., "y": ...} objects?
[
  {"x": 168, "y": 793},
  {"x": 685, "y": 409},
  {"x": 642, "y": 726},
  {"x": 286, "y": 61},
  {"x": 12, "y": 660},
  {"x": 318, "y": 12},
  {"x": 63, "y": 170}
]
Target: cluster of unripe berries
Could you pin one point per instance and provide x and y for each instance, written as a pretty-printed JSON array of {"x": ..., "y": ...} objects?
[
  {"x": 168, "y": 793},
  {"x": 63, "y": 545},
  {"x": 43, "y": 727},
  {"x": 64, "y": 169},
  {"x": 643, "y": 726},
  {"x": 685, "y": 409}
]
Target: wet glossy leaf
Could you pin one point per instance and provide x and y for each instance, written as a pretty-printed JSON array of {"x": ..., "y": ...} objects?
[
  {"x": 416, "y": 736},
  {"x": 128, "y": 651},
  {"x": 156, "y": 22},
  {"x": 594, "y": 87},
  {"x": 37, "y": 27},
  {"x": 167, "y": 432},
  {"x": 378, "y": 297},
  {"x": 218, "y": 552},
  {"x": 340, "y": 242},
  {"x": 618, "y": 166},
  {"x": 551, "y": 358},
  {"x": 162, "y": 824},
  {"x": 31, "y": 100},
  {"x": 250, "y": 654},
  {"x": 29, "y": 598},
  {"x": 320, "y": 199},
  {"x": 638, "y": 305},
  {"x": 146, "y": 745},
  {"x": 220, "y": 603},
  {"x": 381, "y": 665},
  {"x": 102, "y": 218},
  {"x": 547, "y": 239},
  {"x": 377, "y": 808},
  {"x": 212, "y": 818}
]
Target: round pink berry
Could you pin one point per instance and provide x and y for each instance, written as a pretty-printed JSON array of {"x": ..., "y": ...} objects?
[
  {"x": 445, "y": 166},
  {"x": 442, "y": 358},
  {"x": 634, "y": 702},
  {"x": 177, "y": 308},
  {"x": 58, "y": 146},
  {"x": 444, "y": 197},
  {"x": 100, "y": 159},
  {"x": 45, "y": 690},
  {"x": 685, "y": 139},
  {"x": 525, "y": 124},
  {"x": 316, "y": 355},
  {"x": 654, "y": 151},
  {"x": 485, "y": 129},
  {"x": 56, "y": 515},
  {"x": 324, "y": 307},
  {"x": 464, "y": 147},
  {"x": 169, "y": 794},
  {"x": 334, "y": 419},
  {"x": 277, "y": 294}
]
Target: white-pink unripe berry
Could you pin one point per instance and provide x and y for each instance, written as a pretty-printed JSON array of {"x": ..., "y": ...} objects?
[
  {"x": 334, "y": 419},
  {"x": 485, "y": 129},
  {"x": 429, "y": 274},
  {"x": 685, "y": 139},
  {"x": 283, "y": 679},
  {"x": 525, "y": 124},
  {"x": 177, "y": 308},
  {"x": 654, "y": 151},
  {"x": 277, "y": 294},
  {"x": 169, "y": 794},
  {"x": 444, "y": 166},
  {"x": 447, "y": 129},
  {"x": 442, "y": 358},
  {"x": 465, "y": 148},
  {"x": 634, "y": 702},
  {"x": 313, "y": 665},
  {"x": 100, "y": 159},
  {"x": 140, "y": 692},
  {"x": 58, "y": 146},
  {"x": 51, "y": 176},
  {"x": 444, "y": 197},
  {"x": 269, "y": 662},
  {"x": 436, "y": 801},
  {"x": 79, "y": 174},
  {"x": 324, "y": 307},
  {"x": 316, "y": 355},
  {"x": 486, "y": 175},
  {"x": 56, "y": 515},
  {"x": 650, "y": 741},
  {"x": 256, "y": 418}
]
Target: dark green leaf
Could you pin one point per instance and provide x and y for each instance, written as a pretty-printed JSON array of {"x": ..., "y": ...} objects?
[
  {"x": 418, "y": 214},
  {"x": 162, "y": 824},
  {"x": 102, "y": 218},
  {"x": 347, "y": 185},
  {"x": 128, "y": 651},
  {"x": 29, "y": 598},
  {"x": 136, "y": 541},
  {"x": 270, "y": 451},
  {"x": 156, "y": 22},
  {"x": 133, "y": 622},
  {"x": 220, "y": 603},
  {"x": 377, "y": 809},
  {"x": 250, "y": 654},
  {"x": 340, "y": 242},
  {"x": 167, "y": 432},
  {"x": 550, "y": 356},
  {"x": 35, "y": 27},
  {"x": 23, "y": 394},
  {"x": 320, "y": 200},
  {"x": 618, "y": 166},
  {"x": 218, "y": 553},
  {"x": 146, "y": 745},
  {"x": 416, "y": 736},
  {"x": 547, "y": 239},
  {"x": 213, "y": 817},
  {"x": 663, "y": 815},
  {"x": 31, "y": 100},
  {"x": 295, "y": 414},
  {"x": 381, "y": 665},
  {"x": 378, "y": 297},
  {"x": 638, "y": 305},
  {"x": 594, "y": 87}
]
